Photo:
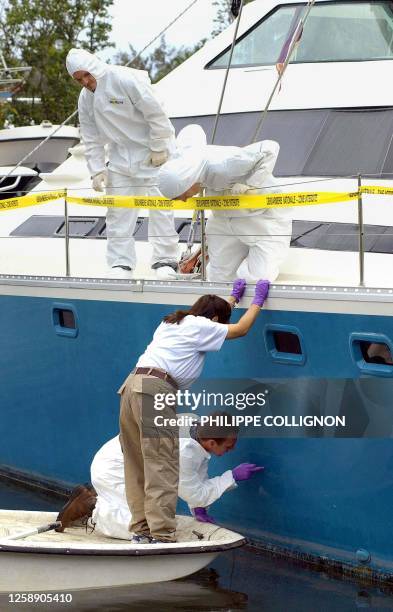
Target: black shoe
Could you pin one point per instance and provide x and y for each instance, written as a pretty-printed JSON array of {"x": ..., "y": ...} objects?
[{"x": 164, "y": 264}]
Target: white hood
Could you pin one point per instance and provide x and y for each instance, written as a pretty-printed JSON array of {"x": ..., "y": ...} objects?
[
  {"x": 80, "y": 59},
  {"x": 187, "y": 167}
]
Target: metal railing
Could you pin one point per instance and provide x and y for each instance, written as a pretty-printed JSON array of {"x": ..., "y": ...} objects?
[{"x": 204, "y": 245}]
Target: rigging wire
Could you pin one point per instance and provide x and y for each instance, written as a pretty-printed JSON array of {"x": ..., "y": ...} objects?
[
  {"x": 199, "y": 216},
  {"x": 137, "y": 56},
  {"x": 294, "y": 183},
  {"x": 239, "y": 15},
  {"x": 282, "y": 71}
]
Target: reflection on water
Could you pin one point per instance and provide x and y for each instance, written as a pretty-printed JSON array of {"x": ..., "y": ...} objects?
[{"x": 244, "y": 579}]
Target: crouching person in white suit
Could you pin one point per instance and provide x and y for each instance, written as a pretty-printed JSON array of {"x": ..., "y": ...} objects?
[
  {"x": 195, "y": 486},
  {"x": 256, "y": 240},
  {"x": 117, "y": 107},
  {"x": 111, "y": 515}
]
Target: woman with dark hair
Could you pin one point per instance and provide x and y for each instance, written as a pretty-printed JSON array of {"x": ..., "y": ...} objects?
[{"x": 173, "y": 360}]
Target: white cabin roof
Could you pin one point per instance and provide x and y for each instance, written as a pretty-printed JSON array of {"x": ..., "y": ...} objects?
[{"x": 193, "y": 90}]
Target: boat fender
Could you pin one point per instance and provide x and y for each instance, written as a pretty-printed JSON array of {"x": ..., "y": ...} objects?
[{"x": 363, "y": 556}]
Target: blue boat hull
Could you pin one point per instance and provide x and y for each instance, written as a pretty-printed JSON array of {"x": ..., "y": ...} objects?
[{"x": 327, "y": 496}]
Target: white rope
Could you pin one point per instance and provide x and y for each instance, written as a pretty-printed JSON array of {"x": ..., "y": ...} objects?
[{"x": 162, "y": 32}]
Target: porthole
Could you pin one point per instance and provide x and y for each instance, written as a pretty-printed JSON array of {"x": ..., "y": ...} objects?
[
  {"x": 372, "y": 353},
  {"x": 65, "y": 320},
  {"x": 284, "y": 343}
]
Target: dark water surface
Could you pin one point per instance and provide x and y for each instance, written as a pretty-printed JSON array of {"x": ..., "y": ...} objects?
[{"x": 244, "y": 579}]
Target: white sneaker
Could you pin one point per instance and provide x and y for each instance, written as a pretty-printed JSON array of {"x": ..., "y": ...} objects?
[
  {"x": 166, "y": 273},
  {"x": 117, "y": 272}
]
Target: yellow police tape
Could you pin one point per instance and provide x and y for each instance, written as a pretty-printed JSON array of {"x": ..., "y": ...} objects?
[
  {"x": 225, "y": 202},
  {"x": 377, "y": 190},
  {"x": 31, "y": 200}
]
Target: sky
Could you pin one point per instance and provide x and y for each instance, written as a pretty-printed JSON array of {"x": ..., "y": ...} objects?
[{"x": 138, "y": 21}]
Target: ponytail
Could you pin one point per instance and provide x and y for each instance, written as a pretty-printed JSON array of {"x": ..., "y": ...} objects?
[
  {"x": 208, "y": 306},
  {"x": 176, "y": 317}
]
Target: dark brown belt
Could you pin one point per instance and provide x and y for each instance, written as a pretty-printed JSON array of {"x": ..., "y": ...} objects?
[{"x": 158, "y": 374}]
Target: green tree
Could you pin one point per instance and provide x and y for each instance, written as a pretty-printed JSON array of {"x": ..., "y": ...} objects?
[
  {"x": 223, "y": 16},
  {"x": 40, "y": 33},
  {"x": 162, "y": 60}
]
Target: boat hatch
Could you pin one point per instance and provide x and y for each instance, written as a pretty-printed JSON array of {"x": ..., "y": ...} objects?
[
  {"x": 325, "y": 236},
  {"x": 52, "y": 226},
  {"x": 329, "y": 236}
]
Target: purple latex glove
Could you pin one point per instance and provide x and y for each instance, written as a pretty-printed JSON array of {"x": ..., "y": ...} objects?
[
  {"x": 238, "y": 289},
  {"x": 261, "y": 291},
  {"x": 202, "y": 516},
  {"x": 244, "y": 471}
]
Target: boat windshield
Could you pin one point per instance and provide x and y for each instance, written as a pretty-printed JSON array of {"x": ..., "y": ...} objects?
[{"x": 334, "y": 32}]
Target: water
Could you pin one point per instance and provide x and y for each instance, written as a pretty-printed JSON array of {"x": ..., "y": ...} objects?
[{"x": 244, "y": 579}]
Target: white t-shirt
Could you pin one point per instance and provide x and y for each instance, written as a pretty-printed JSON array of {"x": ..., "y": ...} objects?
[{"x": 180, "y": 349}]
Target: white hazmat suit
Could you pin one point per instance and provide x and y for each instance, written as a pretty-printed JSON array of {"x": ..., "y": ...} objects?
[
  {"x": 111, "y": 514},
  {"x": 195, "y": 486},
  {"x": 124, "y": 113},
  {"x": 256, "y": 240}
]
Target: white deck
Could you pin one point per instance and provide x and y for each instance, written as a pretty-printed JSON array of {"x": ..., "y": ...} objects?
[{"x": 46, "y": 256}]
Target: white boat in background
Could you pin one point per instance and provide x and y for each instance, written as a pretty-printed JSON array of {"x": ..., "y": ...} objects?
[
  {"x": 77, "y": 559},
  {"x": 17, "y": 142}
]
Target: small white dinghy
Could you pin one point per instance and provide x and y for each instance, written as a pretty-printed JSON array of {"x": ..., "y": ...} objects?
[{"x": 78, "y": 559}]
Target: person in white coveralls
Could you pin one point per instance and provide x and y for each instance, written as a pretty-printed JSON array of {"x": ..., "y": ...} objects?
[
  {"x": 256, "y": 240},
  {"x": 111, "y": 515},
  {"x": 117, "y": 107}
]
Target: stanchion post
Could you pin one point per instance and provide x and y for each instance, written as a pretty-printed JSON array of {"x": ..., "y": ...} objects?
[
  {"x": 203, "y": 245},
  {"x": 361, "y": 232},
  {"x": 67, "y": 235},
  {"x": 202, "y": 219}
]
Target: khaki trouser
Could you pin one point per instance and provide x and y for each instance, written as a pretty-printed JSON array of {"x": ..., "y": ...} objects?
[{"x": 151, "y": 457}]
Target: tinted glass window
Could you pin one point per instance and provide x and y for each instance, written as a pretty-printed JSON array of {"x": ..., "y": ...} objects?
[
  {"x": 334, "y": 32},
  {"x": 263, "y": 44},
  {"x": 286, "y": 342},
  {"x": 67, "y": 319},
  {"x": 314, "y": 142},
  {"x": 351, "y": 142}
]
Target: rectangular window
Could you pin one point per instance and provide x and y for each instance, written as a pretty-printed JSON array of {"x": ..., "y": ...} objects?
[
  {"x": 65, "y": 320},
  {"x": 284, "y": 344},
  {"x": 315, "y": 142},
  {"x": 372, "y": 353},
  {"x": 334, "y": 32}
]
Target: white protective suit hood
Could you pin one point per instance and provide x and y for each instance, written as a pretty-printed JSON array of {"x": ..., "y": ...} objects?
[
  {"x": 188, "y": 166},
  {"x": 80, "y": 59}
]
